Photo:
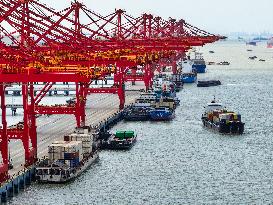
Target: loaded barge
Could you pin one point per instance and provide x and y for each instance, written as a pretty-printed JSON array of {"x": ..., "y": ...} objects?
[
  {"x": 121, "y": 140},
  {"x": 69, "y": 158},
  {"x": 218, "y": 118}
]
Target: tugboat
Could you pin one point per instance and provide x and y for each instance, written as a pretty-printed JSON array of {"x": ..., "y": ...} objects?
[
  {"x": 208, "y": 83},
  {"x": 161, "y": 114},
  {"x": 121, "y": 140},
  {"x": 218, "y": 118},
  {"x": 67, "y": 159},
  {"x": 199, "y": 63}
]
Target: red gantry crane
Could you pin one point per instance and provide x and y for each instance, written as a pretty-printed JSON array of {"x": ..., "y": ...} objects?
[{"x": 40, "y": 44}]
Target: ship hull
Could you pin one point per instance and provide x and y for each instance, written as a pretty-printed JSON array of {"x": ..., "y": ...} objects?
[
  {"x": 160, "y": 116},
  {"x": 118, "y": 145},
  {"x": 136, "y": 117},
  {"x": 189, "y": 79},
  {"x": 53, "y": 178},
  {"x": 230, "y": 128},
  {"x": 199, "y": 68},
  {"x": 208, "y": 83}
]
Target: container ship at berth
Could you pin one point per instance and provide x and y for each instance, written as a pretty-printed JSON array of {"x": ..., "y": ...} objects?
[
  {"x": 218, "y": 118},
  {"x": 199, "y": 63},
  {"x": 189, "y": 74},
  {"x": 67, "y": 159}
]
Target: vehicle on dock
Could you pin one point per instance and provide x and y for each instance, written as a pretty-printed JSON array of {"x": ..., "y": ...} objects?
[
  {"x": 199, "y": 63},
  {"x": 208, "y": 83},
  {"x": 218, "y": 118},
  {"x": 121, "y": 140},
  {"x": 161, "y": 114},
  {"x": 67, "y": 159}
]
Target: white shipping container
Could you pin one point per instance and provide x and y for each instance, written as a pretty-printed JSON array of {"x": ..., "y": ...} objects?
[{"x": 57, "y": 149}]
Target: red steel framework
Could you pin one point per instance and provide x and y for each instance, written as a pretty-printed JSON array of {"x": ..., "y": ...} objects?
[{"x": 40, "y": 44}]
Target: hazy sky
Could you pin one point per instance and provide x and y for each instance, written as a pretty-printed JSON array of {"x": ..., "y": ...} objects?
[{"x": 218, "y": 16}]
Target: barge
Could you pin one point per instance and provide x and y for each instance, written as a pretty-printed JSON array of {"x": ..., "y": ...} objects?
[
  {"x": 121, "y": 140},
  {"x": 67, "y": 159},
  {"x": 208, "y": 83}
]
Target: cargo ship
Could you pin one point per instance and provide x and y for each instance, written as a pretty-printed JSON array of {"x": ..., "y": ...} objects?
[
  {"x": 218, "y": 118},
  {"x": 136, "y": 113},
  {"x": 199, "y": 63},
  {"x": 121, "y": 140},
  {"x": 189, "y": 74},
  {"x": 161, "y": 114},
  {"x": 67, "y": 159},
  {"x": 270, "y": 43}
]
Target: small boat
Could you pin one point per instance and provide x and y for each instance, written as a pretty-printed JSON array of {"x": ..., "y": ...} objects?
[
  {"x": 218, "y": 118},
  {"x": 161, "y": 114},
  {"x": 262, "y": 60},
  {"x": 249, "y": 50},
  {"x": 223, "y": 63},
  {"x": 121, "y": 140},
  {"x": 211, "y": 52},
  {"x": 252, "y": 57},
  {"x": 211, "y": 63},
  {"x": 208, "y": 83}
]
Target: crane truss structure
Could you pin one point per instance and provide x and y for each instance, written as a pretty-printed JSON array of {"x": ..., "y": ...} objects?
[{"x": 76, "y": 44}]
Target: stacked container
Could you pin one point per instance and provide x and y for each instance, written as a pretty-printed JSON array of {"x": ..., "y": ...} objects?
[
  {"x": 69, "y": 153},
  {"x": 124, "y": 134},
  {"x": 86, "y": 139}
]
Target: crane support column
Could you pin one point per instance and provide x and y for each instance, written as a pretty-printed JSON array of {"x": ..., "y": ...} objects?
[
  {"x": 80, "y": 104},
  {"x": 3, "y": 138},
  {"x": 29, "y": 129}
]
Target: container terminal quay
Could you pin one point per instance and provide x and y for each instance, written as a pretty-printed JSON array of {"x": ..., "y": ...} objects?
[{"x": 146, "y": 58}]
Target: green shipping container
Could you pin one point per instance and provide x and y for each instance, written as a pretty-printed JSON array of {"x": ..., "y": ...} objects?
[
  {"x": 120, "y": 134},
  {"x": 129, "y": 134},
  {"x": 124, "y": 134}
]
